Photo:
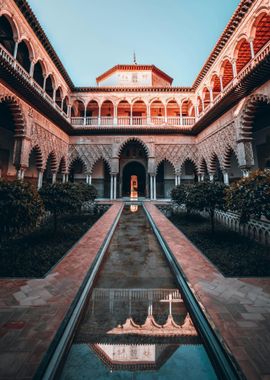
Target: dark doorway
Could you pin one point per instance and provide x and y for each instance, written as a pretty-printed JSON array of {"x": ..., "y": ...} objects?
[{"x": 134, "y": 168}]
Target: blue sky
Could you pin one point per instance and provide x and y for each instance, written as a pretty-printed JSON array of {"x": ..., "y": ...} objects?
[{"x": 90, "y": 36}]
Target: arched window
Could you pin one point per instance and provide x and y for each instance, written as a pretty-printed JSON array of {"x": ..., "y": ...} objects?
[
  {"x": 49, "y": 85},
  {"x": 215, "y": 84},
  {"x": 6, "y": 35},
  {"x": 23, "y": 56},
  {"x": 39, "y": 73},
  {"x": 261, "y": 30},
  {"x": 59, "y": 97},
  {"x": 242, "y": 54},
  {"x": 226, "y": 73}
]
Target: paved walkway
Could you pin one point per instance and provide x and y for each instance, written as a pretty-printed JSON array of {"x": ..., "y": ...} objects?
[
  {"x": 31, "y": 311},
  {"x": 239, "y": 308}
]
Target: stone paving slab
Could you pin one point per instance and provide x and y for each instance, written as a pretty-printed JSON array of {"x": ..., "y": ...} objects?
[
  {"x": 238, "y": 308},
  {"x": 31, "y": 310}
]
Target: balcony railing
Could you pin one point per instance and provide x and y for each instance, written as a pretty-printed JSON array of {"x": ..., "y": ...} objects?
[
  {"x": 6, "y": 56},
  {"x": 123, "y": 121}
]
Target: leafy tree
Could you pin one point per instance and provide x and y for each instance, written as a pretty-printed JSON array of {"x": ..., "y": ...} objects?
[
  {"x": 21, "y": 207},
  {"x": 250, "y": 197},
  {"x": 87, "y": 192},
  {"x": 206, "y": 196},
  {"x": 179, "y": 194},
  {"x": 60, "y": 198}
]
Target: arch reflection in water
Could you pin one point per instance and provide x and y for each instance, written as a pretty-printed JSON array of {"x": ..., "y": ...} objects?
[{"x": 142, "y": 325}]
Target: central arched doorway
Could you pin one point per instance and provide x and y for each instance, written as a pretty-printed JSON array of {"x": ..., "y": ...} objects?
[
  {"x": 133, "y": 161},
  {"x": 134, "y": 171}
]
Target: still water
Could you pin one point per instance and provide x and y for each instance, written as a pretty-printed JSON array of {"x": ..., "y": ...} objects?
[{"x": 136, "y": 325}]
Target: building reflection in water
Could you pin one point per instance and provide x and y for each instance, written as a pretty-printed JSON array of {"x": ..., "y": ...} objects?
[{"x": 136, "y": 329}]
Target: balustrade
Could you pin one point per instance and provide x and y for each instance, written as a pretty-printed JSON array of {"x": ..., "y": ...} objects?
[{"x": 8, "y": 58}]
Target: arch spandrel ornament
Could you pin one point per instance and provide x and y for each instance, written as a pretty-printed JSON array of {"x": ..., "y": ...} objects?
[{"x": 91, "y": 153}]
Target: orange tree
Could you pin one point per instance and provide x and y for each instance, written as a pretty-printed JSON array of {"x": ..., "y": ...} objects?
[
  {"x": 206, "y": 196},
  {"x": 250, "y": 196}
]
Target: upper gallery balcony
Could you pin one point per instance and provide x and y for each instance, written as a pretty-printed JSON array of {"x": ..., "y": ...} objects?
[{"x": 134, "y": 114}]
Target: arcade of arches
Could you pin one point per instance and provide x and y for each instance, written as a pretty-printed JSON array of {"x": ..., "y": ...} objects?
[{"x": 155, "y": 173}]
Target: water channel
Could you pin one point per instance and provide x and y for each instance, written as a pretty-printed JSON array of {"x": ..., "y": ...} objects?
[{"x": 135, "y": 324}]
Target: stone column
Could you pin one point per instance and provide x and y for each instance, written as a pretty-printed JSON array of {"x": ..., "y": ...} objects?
[
  {"x": 221, "y": 83},
  {"x": 151, "y": 187},
  {"x": 53, "y": 177},
  {"x": 90, "y": 179},
  {"x": 251, "y": 48},
  {"x": 175, "y": 180},
  {"x": 181, "y": 114},
  {"x": 99, "y": 114},
  {"x": 115, "y": 186},
  {"x": 211, "y": 177},
  {"x": 40, "y": 179},
  {"x": 31, "y": 71},
  {"x": 226, "y": 177},
  {"x": 234, "y": 68},
  {"x": 84, "y": 115},
  {"x": 148, "y": 114},
  {"x": 111, "y": 188},
  {"x": 63, "y": 178},
  {"x": 15, "y": 49},
  {"x": 155, "y": 187},
  {"x": 115, "y": 115}
]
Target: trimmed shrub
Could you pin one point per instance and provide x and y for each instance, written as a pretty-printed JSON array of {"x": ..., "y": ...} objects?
[{"x": 21, "y": 207}]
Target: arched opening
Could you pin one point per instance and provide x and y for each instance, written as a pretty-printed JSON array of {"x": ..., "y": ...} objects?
[
  {"x": 206, "y": 97},
  {"x": 203, "y": 170},
  {"x": 49, "y": 87},
  {"x": 7, "y": 35},
  {"x": 226, "y": 73},
  {"x": 157, "y": 112},
  {"x": 215, "y": 169},
  {"x": 188, "y": 172},
  {"x": 173, "y": 113},
  {"x": 51, "y": 168},
  {"x": 77, "y": 113},
  {"x": 7, "y": 130},
  {"x": 59, "y": 97},
  {"x": 23, "y": 56},
  {"x": 242, "y": 54},
  {"x": 134, "y": 169},
  {"x": 123, "y": 112},
  {"x": 199, "y": 105},
  {"x": 133, "y": 161},
  {"x": 101, "y": 178},
  {"x": 107, "y": 113},
  {"x": 34, "y": 165},
  {"x": 77, "y": 170},
  {"x": 61, "y": 169},
  {"x": 188, "y": 109},
  {"x": 165, "y": 179},
  {"x": 139, "y": 113},
  {"x": 92, "y": 111},
  {"x": 261, "y": 32},
  {"x": 65, "y": 104},
  {"x": 231, "y": 165},
  {"x": 215, "y": 84},
  {"x": 261, "y": 135},
  {"x": 77, "y": 109},
  {"x": 39, "y": 73}
]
